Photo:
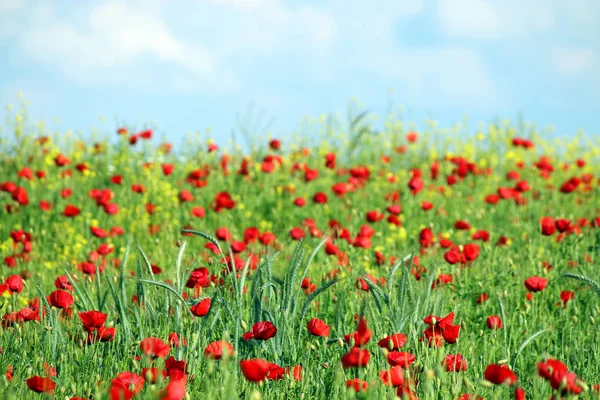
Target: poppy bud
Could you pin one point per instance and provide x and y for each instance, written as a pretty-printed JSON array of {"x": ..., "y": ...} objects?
[{"x": 486, "y": 383}]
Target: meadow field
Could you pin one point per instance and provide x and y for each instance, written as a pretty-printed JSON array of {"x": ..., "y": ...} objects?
[{"x": 355, "y": 261}]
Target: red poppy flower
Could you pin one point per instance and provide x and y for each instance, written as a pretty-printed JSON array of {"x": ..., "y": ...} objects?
[
  {"x": 426, "y": 238},
  {"x": 548, "y": 226},
  {"x": 536, "y": 283},
  {"x": 175, "y": 389},
  {"x": 308, "y": 286},
  {"x": 223, "y": 234},
  {"x": 519, "y": 393},
  {"x": 470, "y": 252},
  {"x": 492, "y": 199},
  {"x": 310, "y": 174},
  {"x": 131, "y": 381},
  {"x": 562, "y": 225},
  {"x": 10, "y": 261},
  {"x": 176, "y": 369},
  {"x": 559, "y": 376},
  {"x": 412, "y": 136},
  {"x": 374, "y": 216},
  {"x": 295, "y": 372},
  {"x": 98, "y": 232},
  {"x": 154, "y": 375},
  {"x": 198, "y": 212},
  {"x": 29, "y": 314},
  {"x": 330, "y": 160},
  {"x": 167, "y": 169},
  {"x": 145, "y": 134},
  {"x": 565, "y": 296},
  {"x": 255, "y": 370},
  {"x": 137, "y": 188},
  {"x": 462, "y": 225},
  {"x": 394, "y": 209},
  {"x": 482, "y": 235},
  {"x": 317, "y": 327},
  {"x": 297, "y": 233},
  {"x": 441, "y": 329},
  {"x": 452, "y": 256},
  {"x": 356, "y": 357},
  {"x": 92, "y": 319},
  {"x": 392, "y": 377},
  {"x": 275, "y": 372},
  {"x": 45, "y": 205},
  {"x": 71, "y": 211},
  {"x": 320, "y": 198},
  {"x": 500, "y": 374},
  {"x": 185, "y": 196},
  {"x": 455, "y": 363},
  {"x": 275, "y": 144},
  {"x": 494, "y": 322},
  {"x": 62, "y": 282},
  {"x": 400, "y": 358},
  {"x": 40, "y": 384},
  {"x": 393, "y": 342},
  {"x": 416, "y": 185},
  {"x": 216, "y": 350},
  {"x": 222, "y": 201},
  {"x": 198, "y": 278},
  {"x": 237, "y": 246},
  {"x": 442, "y": 279},
  {"x": 61, "y": 160},
  {"x": 468, "y": 396},
  {"x": 60, "y": 299},
  {"x": 251, "y": 234},
  {"x": 267, "y": 238},
  {"x": 201, "y": 308},
  {"x": 426, "y": 206},
  {"x": 20, "y": 196},
  {"x": 154, "y": 347},
  {"x": 261, "y": 331},
  {"x": 362, "y": 334},
  {"x": 102, "y": 334},
  {"x": 339, "y": 189},
  {"x": 357, "y": 384},
  {"x": 14, "y": 284}
]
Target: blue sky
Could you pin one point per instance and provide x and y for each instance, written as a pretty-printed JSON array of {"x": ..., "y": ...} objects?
[{"x": 186, "y": 66}]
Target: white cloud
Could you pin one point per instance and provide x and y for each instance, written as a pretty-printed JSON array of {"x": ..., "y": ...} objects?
[
  {"x": 113, "y": 36},
  {"x": 572, "y": 61},
  {"x": 265, "y": 25},
  {"x": 121, "y": 42},
  {"x": 495, "y": 18},
  {"x": 446, "y": 75},
  {"x": 509, "y": 19},
  {"x": 8, "y": 5},
  {"x": 424, "y": 75},
  {"x": 240, "y": 4}
]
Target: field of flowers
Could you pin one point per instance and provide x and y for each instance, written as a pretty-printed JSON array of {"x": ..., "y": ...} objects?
[{"x": 452, "y": 263}]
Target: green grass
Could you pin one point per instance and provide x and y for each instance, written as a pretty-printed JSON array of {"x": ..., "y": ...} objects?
[{"x": 267, "y": 287}]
